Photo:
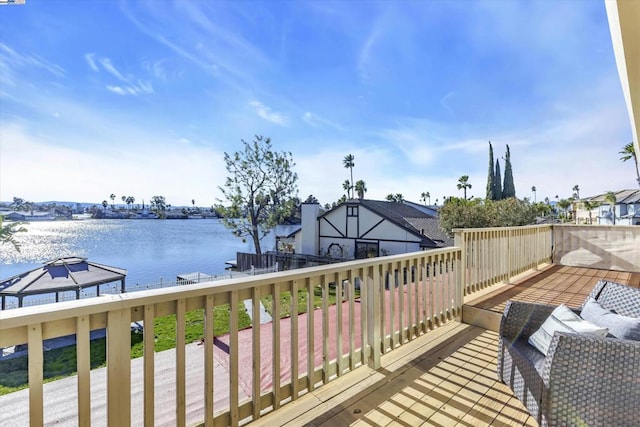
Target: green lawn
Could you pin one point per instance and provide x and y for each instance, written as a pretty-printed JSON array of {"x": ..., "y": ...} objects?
[
  {"x": 58, "y": 363},
  {"x": 61, "y": 362},
  {"x": 285, "y": 301}
]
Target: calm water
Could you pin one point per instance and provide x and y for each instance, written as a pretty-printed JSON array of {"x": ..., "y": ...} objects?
[{"x": 148, "y": 249}]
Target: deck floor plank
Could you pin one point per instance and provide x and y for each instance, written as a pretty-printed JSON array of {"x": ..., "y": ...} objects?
[
  {"x": 448, "y": 376},
  {"x": 554, "y": 284}
]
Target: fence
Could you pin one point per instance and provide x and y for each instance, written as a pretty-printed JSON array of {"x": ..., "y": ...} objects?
[
  {"x": 598, "y": 246},
  {"x": 111, "y": 289},
  {"x": 491, "y": 255},
  {"x": 247, "y": 261},
  {"x": 329, "y": 328},
  {"x": 328, "y": 320}
]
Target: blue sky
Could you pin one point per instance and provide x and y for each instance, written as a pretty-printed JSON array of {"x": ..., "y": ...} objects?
[{"x": 143, "y": 98}]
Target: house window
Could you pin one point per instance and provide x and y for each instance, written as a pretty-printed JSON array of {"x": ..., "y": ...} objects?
[
  {"x": 366, "y": 250},
  {"x": 352, "y": 211},
  {"x": 623, "y": 210}
]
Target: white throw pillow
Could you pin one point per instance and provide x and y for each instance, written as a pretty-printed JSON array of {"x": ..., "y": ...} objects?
[{"x": 562, "y": 319}]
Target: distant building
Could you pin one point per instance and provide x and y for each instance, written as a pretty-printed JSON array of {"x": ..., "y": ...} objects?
[
  {"x": 368, "y": 228},
  {"x": 28, "y": 217},
  {"x": 625, "y": 212}
]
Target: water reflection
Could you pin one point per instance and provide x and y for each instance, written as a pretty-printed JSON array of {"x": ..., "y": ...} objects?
[{"x": 148, "y": 249}]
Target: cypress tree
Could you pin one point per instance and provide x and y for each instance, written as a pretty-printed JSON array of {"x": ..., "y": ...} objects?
[
  {"x": 490, "y": 177},
  {"x": 508, "y": 188},
  {"x": 497, "y": 188}
]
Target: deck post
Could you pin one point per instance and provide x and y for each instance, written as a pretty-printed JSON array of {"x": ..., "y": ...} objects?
[
  {"x": 509, "y": 255},
  {"x": 459, "y": 241},
  {"x": 372, "y": 288},
  {"x": 119, "y": 367}
]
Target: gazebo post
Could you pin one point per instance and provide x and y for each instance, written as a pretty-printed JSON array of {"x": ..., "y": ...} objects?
[
  {"x": 3, "y": 302},
  {"x": 122, "y": 290},
  {"x": 98, "y": 290},
  {"x": 20, "y": 301},
  {"x": 57, "y": 297},
  {"x": 78, "y": 293}
]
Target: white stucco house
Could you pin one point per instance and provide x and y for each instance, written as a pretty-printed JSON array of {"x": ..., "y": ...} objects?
[
  {"x": 368, "y": 228},
  {"x": 625, "y": 212}
]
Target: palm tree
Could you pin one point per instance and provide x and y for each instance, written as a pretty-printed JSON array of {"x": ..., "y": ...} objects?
[
  {"x": 124, "y": 200},
  {"x": 348, "y": 163},
  {"x": 193, "y": 203},
  {"x": 590, "y": 206},
  {"x": 112, "y": 197},
  {"x": 576, "y": 189},
  {"x": 564, "y": 205},
  {"x": 398, "y": 197},
  {"x": 533, "y": 189},
  {"x": 463, "y": 184},
  {"x": 629, "y": 152},
  {"x": 424, "y": 197},
  {"x": 105, "y": 204},
  {"x": 346, "y": 186},
  {"x": 610, "y": 198},
  {"x": 361, "y": 188}
]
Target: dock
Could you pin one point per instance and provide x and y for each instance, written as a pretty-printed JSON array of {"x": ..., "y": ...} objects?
[{"x": 195, "y": 277}]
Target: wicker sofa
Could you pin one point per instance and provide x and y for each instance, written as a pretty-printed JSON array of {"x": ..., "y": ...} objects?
[{"x": 582, "y": 380}]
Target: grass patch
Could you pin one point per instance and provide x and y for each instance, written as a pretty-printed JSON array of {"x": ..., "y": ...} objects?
[
  {"x": 165, "y": 327},
  {"x": 58, "y": 363},
  {"x": 285, "y": 300},
  {"x": 62, "y": 362}
]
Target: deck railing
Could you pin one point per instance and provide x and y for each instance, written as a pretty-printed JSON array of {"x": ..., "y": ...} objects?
[
  {"x": 598, "y": 246},
  {"x": 338, "y": 317},
  {"x": 379, "y": 304},
  {"x": 491, "y": 255}
]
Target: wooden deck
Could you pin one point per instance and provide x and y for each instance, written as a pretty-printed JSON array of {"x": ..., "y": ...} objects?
[
  {"x": 554, "y": 284},
  {"x": 451, "y": 384},
  {"x": 446, "y": 377}
]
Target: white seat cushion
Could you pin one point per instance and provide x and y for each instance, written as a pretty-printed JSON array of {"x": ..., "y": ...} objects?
[{"x": 562, "y": 319}]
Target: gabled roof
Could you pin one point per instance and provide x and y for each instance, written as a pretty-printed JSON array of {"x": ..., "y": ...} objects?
[
  {"x": 622, "y": 197},
  {"x": 61, "y": 274},
  {"x": 408, "y": 217}
]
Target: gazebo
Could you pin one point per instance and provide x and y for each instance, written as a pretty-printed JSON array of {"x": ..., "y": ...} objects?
[{"x": 60, "y": 275}]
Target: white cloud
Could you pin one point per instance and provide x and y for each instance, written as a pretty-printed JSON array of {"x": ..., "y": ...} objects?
[
  {"x": 77, "y": 174},
  {"x": 131, "y": 87},
  {"x": 90, "y": 58},
  {"x": 117, "y": 89},
  {"x": 270, "y": 116},
  {"x": 157, "y": 68},
  {"x": 318, "y": 121},
  {"x": 227, "y": 55},
  {"x": 310, "y": 119},
  {"x": 135, "y": 90},
  {"x": 14, "y": 59},
  {"x": 109, "y": 67}
]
